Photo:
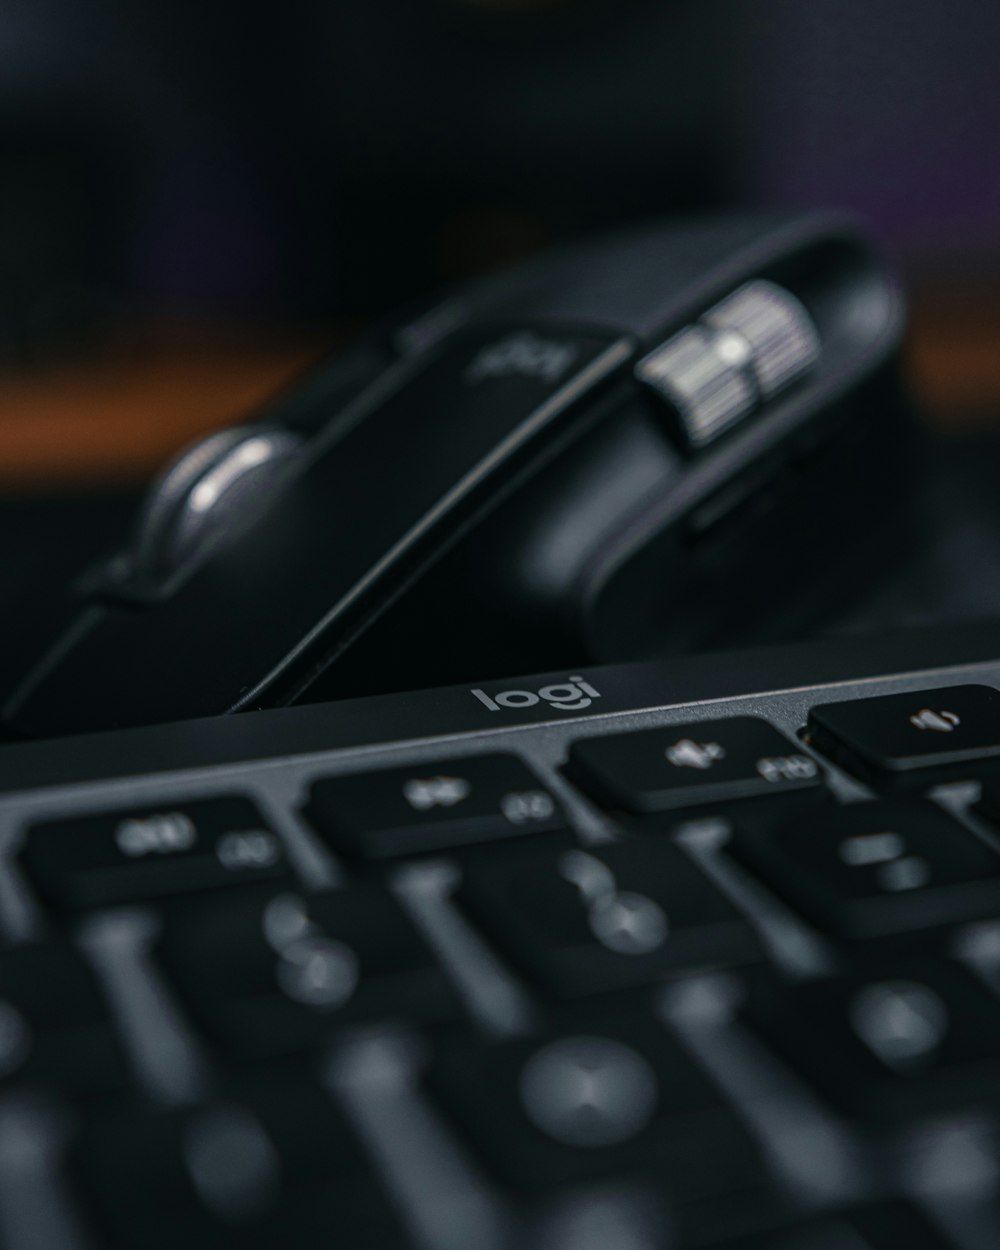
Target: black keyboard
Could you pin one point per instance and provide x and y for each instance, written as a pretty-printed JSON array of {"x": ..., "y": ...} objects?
[{"x": 699, "y": 955}]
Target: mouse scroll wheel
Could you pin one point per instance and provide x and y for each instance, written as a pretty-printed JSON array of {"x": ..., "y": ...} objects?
[
  {"x": 209, "y": 490},
  {"x": 780, "y": 337},
  {"x": 740, "y": 355}
]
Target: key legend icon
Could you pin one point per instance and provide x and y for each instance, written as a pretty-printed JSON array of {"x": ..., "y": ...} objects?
[
  {"x": 940, "y": 722},
  {"x": 690, "y": 754},
  {"x": 422, "y": 795}
]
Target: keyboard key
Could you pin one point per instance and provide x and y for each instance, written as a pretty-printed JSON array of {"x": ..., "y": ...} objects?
[
  {"x": 55, "y": 1030},
  {"x": 578, "y": 1104},
  {"x": 580, "y": 922},
  {"x": 693, "y": 765},
  {"x": 866, "y": 870},
  {"x": 919, "y": 1037},
  {"x": 131, "y": 856},
  {"x": 274, "y": 1164},
  {"x": 437, "y": 806},
  {"x": 911, "y": 738},
  {"x": 274, "y": 975},
  {"x": 893, "y": 1225}
]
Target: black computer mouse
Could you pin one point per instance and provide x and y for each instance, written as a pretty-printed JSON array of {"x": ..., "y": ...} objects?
[{"x": 683, "y": 435}]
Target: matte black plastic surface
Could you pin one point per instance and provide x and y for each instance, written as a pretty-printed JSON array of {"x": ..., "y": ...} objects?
[
  {"x": 443, "y": 712},
  {"x": 504, "y": 497},
  {"x": 701, "y": 1028}
]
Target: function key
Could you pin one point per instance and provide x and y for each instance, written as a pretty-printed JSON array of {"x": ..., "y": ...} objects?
[
  {"x": 134, "y": 855},
  {"x": 436, "y": 806},
  {"x": 582, "y": 922},
  {"x": 693, "y": 765},
  {"x": 920, "y": 1037},
  {"x": 602, "y": 1099},
  {"x": 55, "y": 1030},
  {"x": 913, "y": 738},
  {"x": 240, "y": 1171},
  {"x": 271, "y": 976},
  {"x": 866, "y": 870}
]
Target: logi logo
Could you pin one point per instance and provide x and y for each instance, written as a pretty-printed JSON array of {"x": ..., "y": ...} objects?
[{"x": 573, "y": 695}]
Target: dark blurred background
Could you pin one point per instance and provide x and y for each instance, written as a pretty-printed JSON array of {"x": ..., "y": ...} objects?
[{"x": 197, "y": 198}]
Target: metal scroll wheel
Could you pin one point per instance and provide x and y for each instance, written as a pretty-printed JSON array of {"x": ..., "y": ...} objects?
[
  {"x": 739, "y": 356},
  {"x": 210, "y": 489}
]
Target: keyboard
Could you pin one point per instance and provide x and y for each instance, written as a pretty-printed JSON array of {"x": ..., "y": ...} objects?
[{"x": 699, "y": 954}]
